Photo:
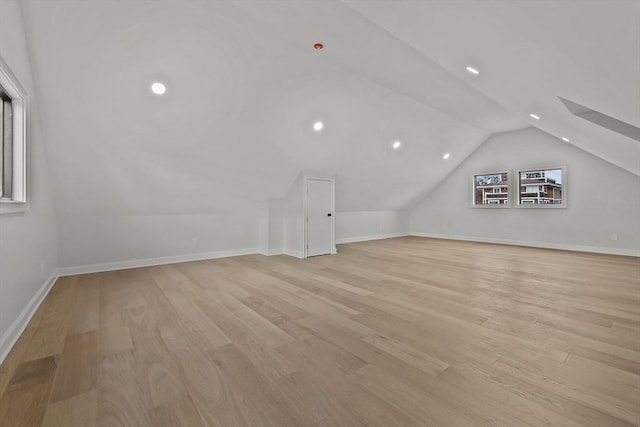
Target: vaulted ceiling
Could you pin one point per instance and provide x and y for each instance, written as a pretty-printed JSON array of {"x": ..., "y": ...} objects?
[
  {"x": 244, "y": 86},
  {"x": 531, "y": 53}
]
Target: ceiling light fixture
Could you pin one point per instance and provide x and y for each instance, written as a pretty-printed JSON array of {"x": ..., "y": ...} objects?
[
  {"x": 317, "y": 126},
  {"x": 473, "y": 70},
  {"x": 318, "y": 46},
  {"x": 446, "y": 156},
  {"x": 534, "y": 116},
  {"x": 565, "y": 139},
  {"x": 396, "y": 145},
  {"x": 158, "y": 88}
]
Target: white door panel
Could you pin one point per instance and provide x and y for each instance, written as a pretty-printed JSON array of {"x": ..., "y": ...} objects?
[{"x": 319, "y": 217}]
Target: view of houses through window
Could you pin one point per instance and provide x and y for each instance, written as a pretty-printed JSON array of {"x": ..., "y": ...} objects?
[
  {"x": 540, "y": 186},
  {"x": 491, "y": 189},
  {"x": 535, "y": 188}
]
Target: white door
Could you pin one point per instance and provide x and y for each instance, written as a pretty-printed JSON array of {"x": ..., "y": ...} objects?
[{"x": 319, "y": 217}]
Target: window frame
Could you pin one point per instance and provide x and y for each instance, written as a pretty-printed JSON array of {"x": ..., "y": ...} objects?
[
  {"x": 11, "y": 87},
  {"x": 530, "y": 205},
  {"x": 507, "y": 183}
]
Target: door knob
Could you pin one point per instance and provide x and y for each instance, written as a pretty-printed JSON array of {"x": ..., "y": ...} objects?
[{"x": 328, "y": 214}]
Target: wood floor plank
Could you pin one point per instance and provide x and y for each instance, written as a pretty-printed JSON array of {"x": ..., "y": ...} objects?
[
  {"x": 265, "y": 309},
  {"x": 77, "y": 368},
  {"x": 14, "y": 358},
  {"x": 211, "y": 334},
  {"x": 122, "y": 400},
  {"x": 86, "y": 316},
  {"x": 422, "y": 361},
  {"x": 265, "y": 358},
  {"x": 290, "y": 311},
  {"x": 399, "y": 332},
  {"x": 24, "y": 401},
  {"x": 260, "y": 401},
  {"x": 212, "y": 277},
  {"x": 622, "y": 411},
  {"x": 527, "y": 404},
  {"x": 57, "y": 303},
  {"x": 78, "y": 411},
  {"x": 410, "y": 398},
  {"x": 47, "y": 339},
  {"x": 317, "y": 354},
  {"x": 267, "y": 331},
  {"x": 336, "y": 399},
  {"x": 114, "y": 339},
  {"x": 211, "y": 395},
  {"x": 156, "y": 370},
  {"x": 176, "y": 413},
  {"x": 339, "y": 284}
]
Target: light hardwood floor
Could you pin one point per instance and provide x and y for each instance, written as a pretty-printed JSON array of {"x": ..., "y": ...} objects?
[{"x": 397, "y": 332}]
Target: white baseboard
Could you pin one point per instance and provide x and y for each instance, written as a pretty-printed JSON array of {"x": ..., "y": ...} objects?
[
  {"x": 271, "y": 252},
  {"x": 282, "y": 251},
  {"x": 339, "y": 241},
  {"x": 370, "y": 237},
  {"x": 11, "y": 335},
  {"x": 297, "y": 254},
  {"x": 546, "y": 245},
  {"x": 147, "y": 262}
]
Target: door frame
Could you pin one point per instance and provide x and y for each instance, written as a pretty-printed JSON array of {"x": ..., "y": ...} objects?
[{"x": 305, "y": 190}]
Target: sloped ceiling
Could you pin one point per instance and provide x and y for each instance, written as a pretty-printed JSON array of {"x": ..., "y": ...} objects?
[
  {"x": 532, "y": 52},
  {"x": 245, "y": 86}
]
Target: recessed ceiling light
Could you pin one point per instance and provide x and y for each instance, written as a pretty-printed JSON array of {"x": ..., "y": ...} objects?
[
  {"x": 565, "y": 139},
  {"x": 473, "y": 70},
  {"x": 158, "y": 88},
  {"x": 534, "y": 116},
  {"x": 446, "y": 156},
  {"x": 396, "y": 144},
  {"x": 317, "y": 126}
]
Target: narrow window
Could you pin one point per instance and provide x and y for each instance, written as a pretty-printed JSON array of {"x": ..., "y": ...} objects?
[
  {"x": 13, "y": 143},
  {"x": 6, "y": 146}
]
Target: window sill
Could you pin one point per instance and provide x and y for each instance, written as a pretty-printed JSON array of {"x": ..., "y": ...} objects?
[
  {"x": 13, "y": 207},
  {"x": 541, "y": 206},
  {"x": 492, "y": 206}
]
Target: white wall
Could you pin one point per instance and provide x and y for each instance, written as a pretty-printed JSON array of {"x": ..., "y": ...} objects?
[
  {"x": 602, "y": 199},
  {"x": 100, "y": 242},
  {"x": 358, "y": 226},
  {"x": 275, "y": 228},
  {"x": 28, "y": 249},
  {"x": 293, "y": 226},
  {"x": 138, "y": 240}
]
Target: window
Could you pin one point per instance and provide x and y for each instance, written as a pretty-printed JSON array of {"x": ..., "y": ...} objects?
[
  {"x": 542, "y": 188},
  {"x": 6, "y": 146},
  {"x": 490, "y": 190},
  {"x": 13, "y": 191}
]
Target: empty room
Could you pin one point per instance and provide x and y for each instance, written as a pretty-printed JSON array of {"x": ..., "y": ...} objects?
[{"x": 319, "y": 213}]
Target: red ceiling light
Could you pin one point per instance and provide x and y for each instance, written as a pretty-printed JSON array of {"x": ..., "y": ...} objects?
[{"x": 318, "y": 46}]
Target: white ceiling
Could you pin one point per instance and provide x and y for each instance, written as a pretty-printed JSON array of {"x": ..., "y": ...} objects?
[
  {"x": 532, "y": 51},
  {"x": 245, "y": 86}
]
